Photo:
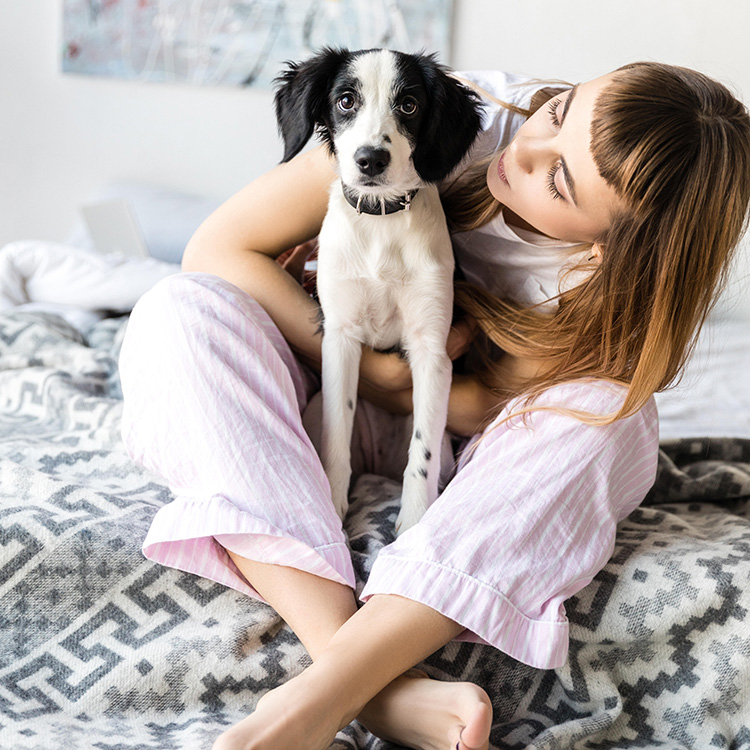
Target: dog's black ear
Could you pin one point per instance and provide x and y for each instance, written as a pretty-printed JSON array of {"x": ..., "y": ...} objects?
[
  {"x": 302, "y": 97},
  {"x": 450, "y": 125}
]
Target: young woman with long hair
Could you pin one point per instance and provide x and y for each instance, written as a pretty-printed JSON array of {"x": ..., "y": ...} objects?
[{"x": 594, "y": 226}]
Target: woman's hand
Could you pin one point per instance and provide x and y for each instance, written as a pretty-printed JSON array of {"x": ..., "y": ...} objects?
[
  {"x": 391, "y": 372},
  {"x": 385, "y": 380},
  {"x": 293, "y": 261}
]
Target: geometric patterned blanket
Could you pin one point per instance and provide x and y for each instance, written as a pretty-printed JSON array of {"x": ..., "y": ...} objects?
[{"x": 100, "y": 648}]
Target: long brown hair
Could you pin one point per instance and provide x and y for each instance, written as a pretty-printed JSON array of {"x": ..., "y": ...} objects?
[{"x": 675, "y": 146}]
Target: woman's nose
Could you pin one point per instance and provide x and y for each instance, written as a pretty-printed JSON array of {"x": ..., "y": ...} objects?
[{"x": 528, "y": 151}]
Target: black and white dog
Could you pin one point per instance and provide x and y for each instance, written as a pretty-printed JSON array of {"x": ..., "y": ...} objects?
[{"x": 396, "y": 123}]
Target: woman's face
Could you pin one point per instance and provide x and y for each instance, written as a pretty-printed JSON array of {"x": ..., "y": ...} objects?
[{"x": 547, "y": 178}]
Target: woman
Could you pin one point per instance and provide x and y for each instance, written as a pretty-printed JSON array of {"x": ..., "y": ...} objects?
[{"x": 600, "y": 232}]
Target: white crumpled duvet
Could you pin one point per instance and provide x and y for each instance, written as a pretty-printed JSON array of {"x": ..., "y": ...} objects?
[{"x": 76, "y": 284}]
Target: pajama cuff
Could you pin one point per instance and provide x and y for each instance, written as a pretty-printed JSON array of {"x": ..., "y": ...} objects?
[
  {"x": 488, "y": 616},
  {"x": 194, "y": 534}
]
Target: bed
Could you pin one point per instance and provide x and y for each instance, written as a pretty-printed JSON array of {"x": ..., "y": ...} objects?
[{"x": 100, "y": 648}]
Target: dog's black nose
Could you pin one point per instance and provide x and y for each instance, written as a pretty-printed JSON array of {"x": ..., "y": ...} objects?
[{"x": 372, "y": 161}]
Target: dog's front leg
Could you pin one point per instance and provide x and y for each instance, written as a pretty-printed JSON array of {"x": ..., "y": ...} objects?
[
  {"x": 431, "y": 377},
  {"x": 341, "y": 355}
]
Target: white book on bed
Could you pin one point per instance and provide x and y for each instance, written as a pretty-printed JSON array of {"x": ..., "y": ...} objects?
[{"x": 114, "y": 228}]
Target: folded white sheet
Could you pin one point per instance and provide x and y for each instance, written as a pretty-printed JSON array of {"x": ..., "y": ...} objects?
[
  {"x": 77, "y": 284},
  {"x": 713, "y": 397}
]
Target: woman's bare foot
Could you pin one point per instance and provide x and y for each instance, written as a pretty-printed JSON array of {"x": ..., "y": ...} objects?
[
  {"x": 418, "y": 712},
  {"x": 413, "y": 710},
  {"x": 302, "y": 714}
]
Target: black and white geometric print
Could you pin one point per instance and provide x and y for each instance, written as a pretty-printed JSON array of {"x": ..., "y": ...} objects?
[{"x": 99, "y": 648}]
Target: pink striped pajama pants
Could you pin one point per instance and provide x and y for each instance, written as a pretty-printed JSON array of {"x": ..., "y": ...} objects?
[{"x": 213, "y": 403}]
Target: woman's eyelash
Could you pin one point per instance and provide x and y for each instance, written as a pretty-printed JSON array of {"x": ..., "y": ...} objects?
[
  {"x": 552, "y": 109},
  {"x": 554, "y": 192}
]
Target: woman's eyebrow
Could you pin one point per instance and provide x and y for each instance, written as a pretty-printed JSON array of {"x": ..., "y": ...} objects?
[
  {"x": 568, "y": 101},
  {"x": 566, "y": 172}
]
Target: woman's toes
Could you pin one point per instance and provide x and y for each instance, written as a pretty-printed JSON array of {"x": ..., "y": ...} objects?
[{"x": 476, "y": 731}]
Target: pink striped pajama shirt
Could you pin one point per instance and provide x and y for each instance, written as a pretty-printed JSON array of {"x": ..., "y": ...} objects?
[{"x": 213, "y": 403}]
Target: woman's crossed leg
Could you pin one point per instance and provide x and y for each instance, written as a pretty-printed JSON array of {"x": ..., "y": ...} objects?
[{"x": 362, "y": 662}]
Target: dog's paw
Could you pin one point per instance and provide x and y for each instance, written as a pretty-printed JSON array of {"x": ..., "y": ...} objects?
[
  {"x": 408, "y": 516},
  {"x": 341, "y": 505}
]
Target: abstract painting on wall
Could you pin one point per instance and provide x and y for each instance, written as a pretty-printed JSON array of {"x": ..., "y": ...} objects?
[{"x": 238, "y": 42}]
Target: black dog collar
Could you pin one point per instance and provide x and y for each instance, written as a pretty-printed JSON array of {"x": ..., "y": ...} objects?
[{"x": 366, "y": 204}]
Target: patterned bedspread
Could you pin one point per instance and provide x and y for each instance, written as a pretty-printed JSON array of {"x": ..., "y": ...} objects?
[{"x": 100, "y": 648}]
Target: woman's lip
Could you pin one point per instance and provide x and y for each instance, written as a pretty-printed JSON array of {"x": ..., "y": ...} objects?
[{"x": 501, "y": 170}]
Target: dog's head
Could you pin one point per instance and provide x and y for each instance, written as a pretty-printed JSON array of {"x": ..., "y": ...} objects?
[{"x": 393, "y": 120}]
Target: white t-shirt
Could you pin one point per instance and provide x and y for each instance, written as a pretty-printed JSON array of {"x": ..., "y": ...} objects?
[{"x": 512, "y": 263}]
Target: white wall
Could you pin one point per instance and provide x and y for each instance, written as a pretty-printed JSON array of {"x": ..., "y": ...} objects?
[
  {"x": 63, "y": 136},
  {"x": 579, "y": 39}
]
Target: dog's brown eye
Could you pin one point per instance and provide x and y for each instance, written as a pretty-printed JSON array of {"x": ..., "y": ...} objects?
[
  {"x": 346, "y": 102},
  {"x": 408, "y": 106}
]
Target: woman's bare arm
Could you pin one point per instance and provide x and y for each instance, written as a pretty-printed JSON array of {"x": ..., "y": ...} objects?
[
  {"x": 471, "y": 407},
  {"x": 241, "y": 240}
]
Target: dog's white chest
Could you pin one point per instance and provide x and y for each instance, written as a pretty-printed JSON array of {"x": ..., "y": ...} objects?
[
  {"x": 385, "y": 265},
  {"x": 364, "y": 294},
  {"x": 372, "y": 268}
]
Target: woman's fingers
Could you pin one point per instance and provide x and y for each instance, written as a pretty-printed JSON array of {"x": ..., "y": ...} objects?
[{"x": 293, "y": 260}]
